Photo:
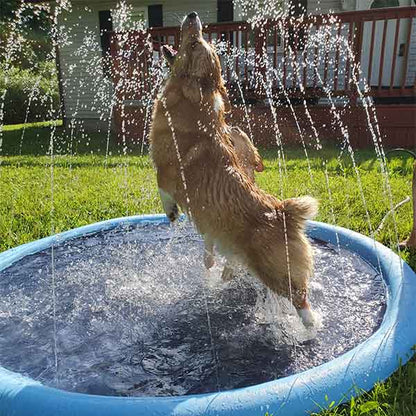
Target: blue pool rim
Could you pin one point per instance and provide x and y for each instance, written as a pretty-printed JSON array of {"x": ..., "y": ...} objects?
[{"x": 359, "y": 369}]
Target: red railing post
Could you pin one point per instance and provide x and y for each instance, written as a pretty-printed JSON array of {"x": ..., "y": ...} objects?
[
  {"x": 260, "y": 48},
  {"x": 382, "y": 54},
  {"x": 370, "y": 62},
  {"x": 406, "y": 55},
  {"x": 357, "y": 45}
]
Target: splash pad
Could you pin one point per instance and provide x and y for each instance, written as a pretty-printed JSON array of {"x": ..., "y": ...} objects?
[{"x": 373, "y": 359}]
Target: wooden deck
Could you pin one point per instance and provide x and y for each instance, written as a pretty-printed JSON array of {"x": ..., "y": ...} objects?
[
  {"x": 319, "y": 57},
  {"x": 311, "y": 56}
]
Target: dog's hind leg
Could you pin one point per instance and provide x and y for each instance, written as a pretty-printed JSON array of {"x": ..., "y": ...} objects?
[
  {"x": 307, "y": 315},
  {"x": 169, "y": 205},
  {"x": 303, "y": 307},
  {"x": 290, "y": 281}
]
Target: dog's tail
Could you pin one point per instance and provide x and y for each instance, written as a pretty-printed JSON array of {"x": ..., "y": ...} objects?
[{"x": 303, "y": 208}]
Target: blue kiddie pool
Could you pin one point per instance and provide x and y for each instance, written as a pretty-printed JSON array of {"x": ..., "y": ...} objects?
[{"x": 120, "y": 318}]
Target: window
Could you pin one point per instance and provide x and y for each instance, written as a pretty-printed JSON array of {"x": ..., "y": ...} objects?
[
  {"x": 106, "y": 27},
  {"x": 378, "y": 4},
  {"x": 225, "y": 11},
  {"x": 297, "y": 35},
  {"x": 155, "y": 13},
  {"x": 298, "y": 7},
  {"x": 129, "y": 18}
]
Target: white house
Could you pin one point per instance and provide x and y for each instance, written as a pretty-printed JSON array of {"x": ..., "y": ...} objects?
[{"x": 85, "y": 28}]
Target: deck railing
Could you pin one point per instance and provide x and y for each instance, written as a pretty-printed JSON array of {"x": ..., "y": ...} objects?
[{"x": 372, "y": 51}]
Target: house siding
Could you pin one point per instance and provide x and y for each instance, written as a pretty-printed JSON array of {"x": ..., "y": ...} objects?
[
  {"x": 82, "y": 74},
  {"x": 324, "y": 6},
  {"x": 366, "y": 4},
  {"x": 87, "y": 91}
]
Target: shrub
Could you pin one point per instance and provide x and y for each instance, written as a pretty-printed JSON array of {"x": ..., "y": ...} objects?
[
  {"x": 30, "y": 47},
  {"x": 30, "y": 96}
]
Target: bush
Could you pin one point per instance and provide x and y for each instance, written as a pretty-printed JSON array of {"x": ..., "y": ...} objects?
[
  {"x": 30, "y": 47},
  {"x": 30, "y": 96}
]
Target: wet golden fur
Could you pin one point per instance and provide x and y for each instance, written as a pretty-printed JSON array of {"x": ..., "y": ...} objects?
[
  {"x": 247, "y": 154},
  {"x": 198, "y": 169}
]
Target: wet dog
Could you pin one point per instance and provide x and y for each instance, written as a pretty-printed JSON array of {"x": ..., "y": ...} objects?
[
  {"x": 247, "y": 155},
  {"x": 198, "y": 169},
  {"x": 246, "y": 152}
]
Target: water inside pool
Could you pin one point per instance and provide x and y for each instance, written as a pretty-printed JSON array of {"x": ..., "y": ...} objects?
[{"x": 137, "y": 314}]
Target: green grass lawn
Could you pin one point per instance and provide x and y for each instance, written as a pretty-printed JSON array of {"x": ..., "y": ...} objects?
[
  {"x": 41, "y": 195},
  {"x": 12, "y": 127}
]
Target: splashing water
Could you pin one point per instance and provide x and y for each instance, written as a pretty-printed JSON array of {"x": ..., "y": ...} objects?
[{"x": 132, "y": 311}]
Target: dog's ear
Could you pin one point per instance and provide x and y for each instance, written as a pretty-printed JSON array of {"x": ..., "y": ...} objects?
[
  {"x": 225, "y": 98},
  {"x": 258, "y": 166},
  {"x": 169, "y": 54}
]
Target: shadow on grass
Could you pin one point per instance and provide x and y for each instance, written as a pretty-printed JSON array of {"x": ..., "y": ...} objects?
[{"x": 36, "y": 141}]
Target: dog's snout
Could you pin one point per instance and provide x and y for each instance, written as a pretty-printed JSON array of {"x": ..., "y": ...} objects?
[{"x": 191, "y": 26}]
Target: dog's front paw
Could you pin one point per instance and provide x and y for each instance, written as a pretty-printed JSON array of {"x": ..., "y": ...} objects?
[
  {"x": 173, "y": 214},
  {"x": 227, "y": 274},
  {"x": 208, "y": 260}
]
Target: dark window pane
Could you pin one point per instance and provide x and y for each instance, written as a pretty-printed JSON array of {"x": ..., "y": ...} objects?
[
  {"x": 106, "y": 27},
  {"x": 225, "y": 11},
  {"x": 155, "y": 15},
  {"x": 298, "y": 7},
  {"x": 378, "y": 4}
]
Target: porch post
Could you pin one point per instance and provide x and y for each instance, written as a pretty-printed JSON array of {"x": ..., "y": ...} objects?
[
  {"x": 357, "y": 49},
  {"x": 260, "y": 57}
]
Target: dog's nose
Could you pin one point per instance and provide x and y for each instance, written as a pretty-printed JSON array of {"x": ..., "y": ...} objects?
[{"x": 192, "y": 15}]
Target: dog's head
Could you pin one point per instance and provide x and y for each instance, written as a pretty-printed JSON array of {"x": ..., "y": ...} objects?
[
  {"x": 191, "y": 28},
  {"x": 196, "y": 58},
  {"x": 196, "y": 64}
]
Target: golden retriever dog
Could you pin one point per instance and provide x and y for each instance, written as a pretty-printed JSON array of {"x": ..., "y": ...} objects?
[
  {"x": 247, "y": 156},
  {"x": 197, "y": 169},
  {"x": 246, "y": 152}
]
